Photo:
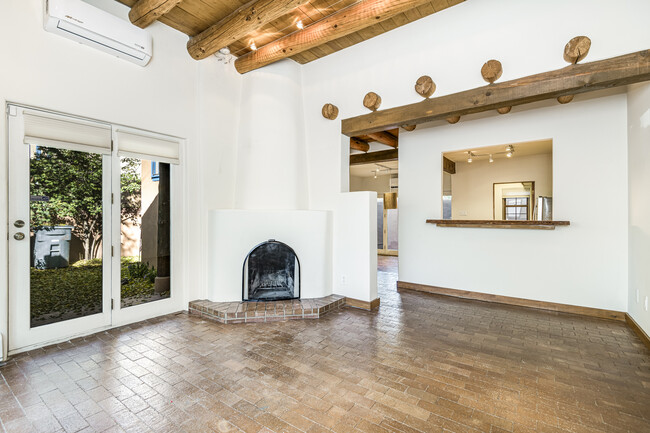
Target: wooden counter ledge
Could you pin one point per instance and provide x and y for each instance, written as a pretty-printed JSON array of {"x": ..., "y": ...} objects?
[{"x": 500, "y": 224}]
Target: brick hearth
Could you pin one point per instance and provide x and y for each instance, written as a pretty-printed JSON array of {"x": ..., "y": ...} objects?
[{"x": 249, "y": 312}]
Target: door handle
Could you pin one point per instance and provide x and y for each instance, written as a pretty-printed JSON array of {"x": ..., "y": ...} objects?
[
  {"x": 19, "y": 236},
  {"x": 19, "y": 223}
]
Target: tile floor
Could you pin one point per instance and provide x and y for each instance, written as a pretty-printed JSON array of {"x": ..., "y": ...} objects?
[{"x": 421, "y": 363}]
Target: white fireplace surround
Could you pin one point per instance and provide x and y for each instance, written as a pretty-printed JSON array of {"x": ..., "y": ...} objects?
[{"x": 233, "y": 233}]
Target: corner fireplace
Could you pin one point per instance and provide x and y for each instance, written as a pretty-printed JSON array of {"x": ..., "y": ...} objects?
[{"x": 271, "y": 273}]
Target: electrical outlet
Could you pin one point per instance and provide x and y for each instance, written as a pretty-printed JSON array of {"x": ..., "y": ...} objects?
[
  {"x": 462, "y": 213},
  {"x": 344, "y": 280}
]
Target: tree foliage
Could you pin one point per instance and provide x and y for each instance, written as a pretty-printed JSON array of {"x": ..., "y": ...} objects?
[{"x": 71, "y": 184}]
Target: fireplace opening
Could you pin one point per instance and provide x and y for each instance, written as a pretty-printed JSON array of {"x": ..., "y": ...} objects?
[{"x": 271, "y": 273}]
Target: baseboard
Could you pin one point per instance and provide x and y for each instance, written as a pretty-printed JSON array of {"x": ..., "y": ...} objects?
[
  {"x": 364, "y": 305},
  {"x": 521, "y": 302},
  {"x": 639, "y": 331}
]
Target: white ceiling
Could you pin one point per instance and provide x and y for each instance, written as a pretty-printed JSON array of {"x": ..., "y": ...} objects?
[
  {"x": 367, "y": 170},
  {"x": 538, "y": 147}
]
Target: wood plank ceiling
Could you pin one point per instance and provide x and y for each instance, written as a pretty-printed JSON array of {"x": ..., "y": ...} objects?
[{"x": 195, "y": 16}]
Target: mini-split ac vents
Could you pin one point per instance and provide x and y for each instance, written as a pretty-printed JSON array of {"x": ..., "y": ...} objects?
[{"x": 88, "y": 25}]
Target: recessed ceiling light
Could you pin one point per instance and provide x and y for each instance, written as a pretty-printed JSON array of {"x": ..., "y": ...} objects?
[
  {"x": 225, "y": 51},
  {"x": 300, "y": 25},
  {"x": 253, "y": 46}
]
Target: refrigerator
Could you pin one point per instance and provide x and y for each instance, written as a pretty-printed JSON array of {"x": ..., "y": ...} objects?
[{"x": 544, "y": 209}]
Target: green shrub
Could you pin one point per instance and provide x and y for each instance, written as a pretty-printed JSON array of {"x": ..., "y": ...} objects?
[{"x": 76, "y": 291}]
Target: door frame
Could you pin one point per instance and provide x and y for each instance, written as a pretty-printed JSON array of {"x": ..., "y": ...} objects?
[{"x": 118, "y": 316}]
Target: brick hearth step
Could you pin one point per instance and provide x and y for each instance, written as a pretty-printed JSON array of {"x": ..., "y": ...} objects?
[{"x": 273, "y": 311}]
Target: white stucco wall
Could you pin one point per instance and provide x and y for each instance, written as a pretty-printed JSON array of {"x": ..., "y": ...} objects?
[
  {"x": 638, "y": 112},
  {"x": 583, "y": 264},
  {"x": 234, "y": 233},
  {"x": 451, "y": 47},
  {"x": 45, "y": 70},
  {"x": 271, "y": 158},
  {"x": 227, "y": 120}
]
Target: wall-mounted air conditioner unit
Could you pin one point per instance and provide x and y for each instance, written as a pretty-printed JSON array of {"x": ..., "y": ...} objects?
[{"x": 89, "y": 25}]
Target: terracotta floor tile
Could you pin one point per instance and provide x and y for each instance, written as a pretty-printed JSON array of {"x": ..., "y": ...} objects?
[{"x": 421, "y": 363}]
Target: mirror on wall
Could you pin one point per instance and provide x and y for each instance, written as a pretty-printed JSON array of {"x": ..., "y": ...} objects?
[{"x": 512, "y": 182}]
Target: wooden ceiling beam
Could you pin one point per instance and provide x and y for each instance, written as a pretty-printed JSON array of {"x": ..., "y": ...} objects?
[
  {"x": 374, "y": 157},
  {"x": 449, "y": 166},
  {"x": 247, "y": 19},
  {"x": 145, "y": 12},
  {"x": 384, "y": 138},
  {"x": 358, "y": 144},
  {"x": 342, "y": 23},
  {"x": 571, "y": 80}
]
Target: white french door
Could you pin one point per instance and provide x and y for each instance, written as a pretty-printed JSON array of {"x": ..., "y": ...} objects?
[
  {"x": 142, "y": 274},
  {"x": 90, "y": 219},
  {"x": 48, "y": 299}
]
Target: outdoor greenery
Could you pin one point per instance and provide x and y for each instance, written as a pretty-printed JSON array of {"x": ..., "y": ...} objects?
[
  {"x": 76, "y": 291},
  {"x": 69, "y": 184},
  {"x": 67, "y": 189}
]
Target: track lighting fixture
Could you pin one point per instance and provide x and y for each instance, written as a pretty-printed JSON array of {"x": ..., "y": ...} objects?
[
  {"x": 510, "y": 150},
  {"x": 300, "y": 25},
  {"x": 253, "y": 46}
]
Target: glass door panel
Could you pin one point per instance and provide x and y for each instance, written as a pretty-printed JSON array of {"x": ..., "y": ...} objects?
[
  {"x": 145, "y": 231},
  {"x": 66, "y": 234}
]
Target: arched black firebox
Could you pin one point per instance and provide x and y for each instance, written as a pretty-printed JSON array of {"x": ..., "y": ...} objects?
[{"x": 271, "y": 273}]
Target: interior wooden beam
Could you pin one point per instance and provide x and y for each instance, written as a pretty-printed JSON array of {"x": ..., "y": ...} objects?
[
  {"x": 574, "y": 79},
  {"x": 384, "y": 138},
  {"x": 374, "y": 157},
  {"x": 145, "y": 12},
  {"x": 342, "y": 23},
  {"x": 247, "y": 19},
  {"x": 448, "y": 166},
  {"x": 358, "y": 144}
]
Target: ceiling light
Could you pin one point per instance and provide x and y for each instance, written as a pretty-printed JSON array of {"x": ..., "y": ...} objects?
[
  {"x": 509, "y": 154},
  {"x": 375, "y": 174},
  {"x": 469, "y": 157},
  {"x": 491, "y": 160},
  {"x": 253, "y": 46},
  {"x": 225, "y": 51},
  {"x": 300, "y": 25}
]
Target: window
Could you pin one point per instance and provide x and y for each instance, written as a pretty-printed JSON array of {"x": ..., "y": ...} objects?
[
  {"x": 515, "y": 208},
  {"x": 155, "y": 174}
]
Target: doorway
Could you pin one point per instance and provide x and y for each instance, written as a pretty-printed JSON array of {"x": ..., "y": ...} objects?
[
  {"x": 85, "y": 253},
  {"x": 383, "y": 179}
]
